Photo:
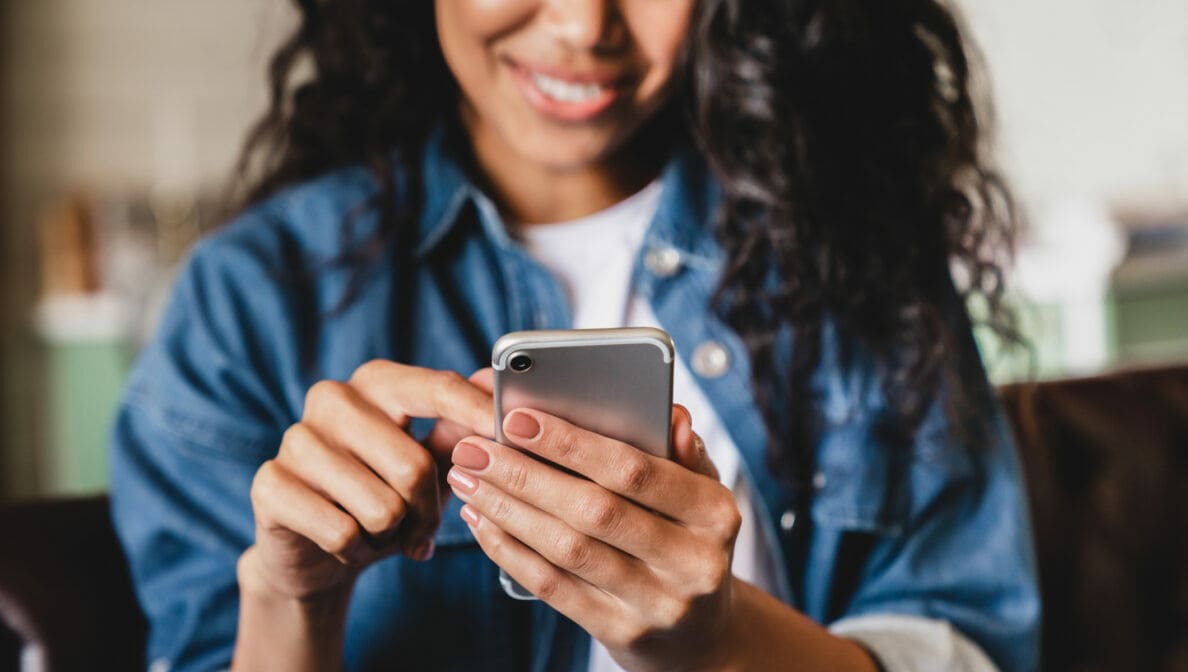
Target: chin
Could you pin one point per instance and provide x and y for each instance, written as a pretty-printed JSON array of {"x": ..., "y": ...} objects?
[{"x": 565, "y": 152}]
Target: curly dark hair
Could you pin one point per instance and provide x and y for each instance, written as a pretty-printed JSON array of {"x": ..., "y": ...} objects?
[{"x": 844, "y": 135}]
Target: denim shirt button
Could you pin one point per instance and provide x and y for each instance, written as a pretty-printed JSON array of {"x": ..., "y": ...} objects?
[
  {"x": 788, "y": 520},
  {"x": 664, "y": 262},
  {"x": 819, "y": 480},
  {"x": 711, "y": 360}
]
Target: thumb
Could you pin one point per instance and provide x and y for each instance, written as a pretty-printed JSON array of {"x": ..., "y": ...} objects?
[{"x": 687, "y": 447}]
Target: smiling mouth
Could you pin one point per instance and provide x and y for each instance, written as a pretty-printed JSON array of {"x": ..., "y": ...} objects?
[
  {"x": 565, "y": 96},
  {"x": 567, "y": 92}
]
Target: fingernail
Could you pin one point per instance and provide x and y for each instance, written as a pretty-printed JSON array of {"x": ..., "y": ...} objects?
[
  {"x": 685, "y": 418},
  {"x": 521, "y": 425},
  {"x": 470, "y": 515},
  {"x": 471, "y": 456},
  {"x": 466, "y": 484},
  {"x": 424, "y": 551}
]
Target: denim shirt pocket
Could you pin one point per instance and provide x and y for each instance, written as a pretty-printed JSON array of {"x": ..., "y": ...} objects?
[
  {"x": 859, "y": 481},
  {"x": 864, "y": 484}
]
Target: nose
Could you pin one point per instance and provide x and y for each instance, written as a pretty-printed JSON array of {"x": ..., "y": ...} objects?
[{"x": 582, "y": 24}]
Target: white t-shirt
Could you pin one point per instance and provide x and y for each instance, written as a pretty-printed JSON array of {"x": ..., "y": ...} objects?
[{"x": 593, "y": 258}]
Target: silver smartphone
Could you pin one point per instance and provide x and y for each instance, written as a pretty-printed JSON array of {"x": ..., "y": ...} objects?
[{"x": 616, "y": 382}]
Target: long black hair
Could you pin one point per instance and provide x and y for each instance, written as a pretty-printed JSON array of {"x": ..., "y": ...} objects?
[{"x": 844, "y": 135}]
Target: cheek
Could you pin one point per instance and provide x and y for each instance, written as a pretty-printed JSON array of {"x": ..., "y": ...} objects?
[
  {"x": 466, "y": 30},
  {"x": 659, "y": 29},
  {"x": 484, "y": 18}
]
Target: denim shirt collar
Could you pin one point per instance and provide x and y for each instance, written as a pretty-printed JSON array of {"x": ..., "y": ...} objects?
[
  {"x": 689, "y": 199},
  {"x": 445, "y": 189}
]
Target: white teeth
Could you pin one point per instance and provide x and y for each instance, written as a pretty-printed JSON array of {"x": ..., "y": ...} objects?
[{"x": 566, "y": 92}]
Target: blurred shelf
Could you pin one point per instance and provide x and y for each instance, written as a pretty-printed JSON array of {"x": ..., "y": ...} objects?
[
  {"x": 83, "y": 318},
  {"x": 1152, "y": 271}
]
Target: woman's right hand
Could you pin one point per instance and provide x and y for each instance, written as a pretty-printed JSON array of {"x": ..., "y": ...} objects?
[{"x": 350, "y": 485}]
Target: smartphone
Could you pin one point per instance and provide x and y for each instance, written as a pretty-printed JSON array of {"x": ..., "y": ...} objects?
[{"x": 615, "y": 382}]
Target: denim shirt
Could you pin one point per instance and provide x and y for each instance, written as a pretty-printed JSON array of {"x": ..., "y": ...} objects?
[{"x": 256, "y": 317}]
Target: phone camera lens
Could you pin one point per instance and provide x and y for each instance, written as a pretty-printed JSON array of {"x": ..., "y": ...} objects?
[{"x": 521, "y": 363}]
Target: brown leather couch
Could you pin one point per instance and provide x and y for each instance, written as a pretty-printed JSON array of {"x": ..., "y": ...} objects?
[
  {"x": 65, "y": 596},
  {"x": 1106, "y": 460}
]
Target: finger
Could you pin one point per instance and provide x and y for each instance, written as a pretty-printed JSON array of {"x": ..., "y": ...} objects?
[
  {"x": 441, "y": 441},
  {"x": 581, "y": 504},
  {"x": 281, "y": 501},
  {"x": 588, "y": 558},
  {"x": 446, "y": 433},
  {"x": 589, "y": 607},
  {"x": 405, "y": 392},
  {"x": 484, "y": 379},
  {"x": 342, "y": 479},
  {"x": 656, "y": 483},
  {"x": 346, "y": 420},
  {"x": 687, "y": 447}
]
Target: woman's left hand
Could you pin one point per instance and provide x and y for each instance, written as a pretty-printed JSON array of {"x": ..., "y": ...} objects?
[{"x": 638, "y": 555}]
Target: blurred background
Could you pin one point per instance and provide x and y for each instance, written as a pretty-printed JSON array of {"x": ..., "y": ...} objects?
[{"x": 120, "y": 121}]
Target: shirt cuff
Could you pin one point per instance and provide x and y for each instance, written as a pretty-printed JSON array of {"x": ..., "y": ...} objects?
[{"x": 914, "y": 644}]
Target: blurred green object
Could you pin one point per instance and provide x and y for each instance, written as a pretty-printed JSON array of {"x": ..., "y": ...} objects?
[
  {"x": 88, "y": 352},
  {"x": 1039, "y": 356},
  {"x": 85, "y": 378},
  {"x": 1146, "y": 324},
  {"x": 1151, "y": 318}
]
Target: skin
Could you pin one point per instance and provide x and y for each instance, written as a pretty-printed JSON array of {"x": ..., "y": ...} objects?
[
  {"x": 539, "y": 169},
  {"x": 638, "y": 552}
]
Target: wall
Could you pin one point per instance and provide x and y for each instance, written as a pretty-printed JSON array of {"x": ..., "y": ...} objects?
[
  {"x": 1092, "y": 99},
  {"x": 112, "y": 96},
  {"x": 1092, "y": 95}
]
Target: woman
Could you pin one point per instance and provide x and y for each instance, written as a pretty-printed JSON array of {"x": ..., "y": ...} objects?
[{"x": 303, "y": 478}]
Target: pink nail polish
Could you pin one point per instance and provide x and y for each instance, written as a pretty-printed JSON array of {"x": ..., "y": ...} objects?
[
  {"x": 470, "y": 456},
  {"x": 470, "y": 515},
  {"x": 463, "y": 483},
  {"x": 522, "y": 426}
]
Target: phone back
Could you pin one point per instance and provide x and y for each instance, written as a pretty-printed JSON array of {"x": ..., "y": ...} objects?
[{"x": 616, "y": 382}]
